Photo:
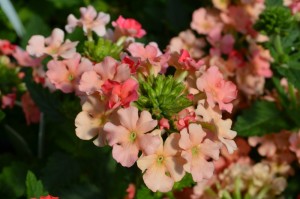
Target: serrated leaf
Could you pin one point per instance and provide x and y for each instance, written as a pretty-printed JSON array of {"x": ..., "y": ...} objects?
[
  {"x": 35, "y": 188},
  {"x": 261, "y": 118},
  {"x": 186, "y": 181}
]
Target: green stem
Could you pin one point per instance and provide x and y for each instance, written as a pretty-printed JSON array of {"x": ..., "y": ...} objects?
[
  {"x": 41, "y": 136},
  {"x": 121, "y": 40},
  {"x": 19, "y": 138},
  {"x": 262, "y": 193},
  {"x": 226, "y": 195},
  {"x": 278, "y": 45},
  {"x": 292, "y": 95},
  {"x": 181, "y": 76}
]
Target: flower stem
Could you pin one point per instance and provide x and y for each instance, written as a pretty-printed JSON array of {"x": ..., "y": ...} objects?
[
  {"x": 41, "y": 136},
  {"x": 278, "y": 45}
]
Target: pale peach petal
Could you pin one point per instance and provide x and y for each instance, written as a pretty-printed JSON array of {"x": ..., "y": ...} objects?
[
  {"x": 196, "y": 133},
  {"x": 36, "y": 45},
  {"x": 106, "y": 68},
  {"x": 123, "y": 73},
  {"x": 211, "y": 149},
  {"x": 201, "y": 168},
  {"x": 171, "y": 146},
  {"x": 93, "y": 105},
  {"x": 126, "y": 154},
  {"x": 175, "y": 166},
  {"x": 145, "y": 162},
  {"x": 129, "y": 117},
  {"x": 86, "y": 127},
  {"x": 149, "y": 143},
  {"x": 72, "y": 23},
  {"x": 185, "y": 142},
  {"x": 116, "y": 134},
  {"x": 156, "y": 179},
  {"x": 145, "y": 123},
  {"x": 90, "y": 82}
]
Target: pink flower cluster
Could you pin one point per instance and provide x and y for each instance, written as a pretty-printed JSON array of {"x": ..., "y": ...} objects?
[
  {"x": 234, "y": 46},
  {"x": 12, "y": 59},
  {"x": 164, "y": 147}
]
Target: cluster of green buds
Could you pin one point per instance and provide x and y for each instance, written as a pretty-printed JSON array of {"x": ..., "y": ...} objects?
[
  {"x": 97, "y": 51},
  {"x": 162, "y": 96},
  {"x": 275, "y": 20}
]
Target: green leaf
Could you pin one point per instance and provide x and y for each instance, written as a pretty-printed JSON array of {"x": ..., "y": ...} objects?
[
  {"x": 144, "y": 193},
  {"x": 12, "y": 181},
  {"x": 186, "y": 181},
  {"x": 260, "y": 119},
  {"x": 35, "y": 188},
  {"x": 56, "y": 168},
  {"x": 292, "y": 72}
]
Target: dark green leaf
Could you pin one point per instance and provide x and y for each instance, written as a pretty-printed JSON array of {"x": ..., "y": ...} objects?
[
  {"x": 35, "y": 188},
  {"x": 12, "y": 181},
  {"x": 260, "y": 119},
  {"x": 187, "y": 181},
  {"x": 292, "y": 72}
]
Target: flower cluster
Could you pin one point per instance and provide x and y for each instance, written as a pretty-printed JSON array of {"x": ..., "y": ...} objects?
[
  {"x": 12, "y": 87},
  {"x": 168, "y": 124},
  {"x": 226, "y": 38}
]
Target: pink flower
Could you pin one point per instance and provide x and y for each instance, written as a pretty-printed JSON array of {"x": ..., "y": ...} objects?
[
  {"x": 90, "y": 121},
  {"x": 54, "y": 45},
  {"x": 220, "y": 44},
  {"x": 221, "y": 128},
  {"x": 31, "y": 111},
  {"x": 197, "y": 150},
  {"x": 128, "y": 27},
  {"x": 130, "y": 191},
  {"x": 164, "y": 123},
  {"x": 121, "y": 94},
  {"x": 8, "y": 100},
  {"x": 184, "y": 61},
  {"x": 24, "y": 59},
  {"x": 274, "y": 146},
  {"x": 184, "y": 118},
  {"x": 237, "y": 17},
  {"x": 217, "y": 89},
  {"x": 109, "y": 69},
  {"x": 6, "y": 47},
  {"x": 163, "y": 166},
  {"x": 150, "y": 56},
  {"x": 187, "y": 40},
  {"x": 131, "y": 136},
  {"x": 66, "y": 74},
  {"x": 295, "y": 144},
  {"x": 261, "y": 60},
  {"x": 89, "y": 21},
  {"x": 204, "y": 21}
]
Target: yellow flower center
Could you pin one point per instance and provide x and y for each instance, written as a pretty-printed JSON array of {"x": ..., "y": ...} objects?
[
  {"x": 132, "y": 136},
  {"x": 160, "y": 159},
  {"x": 195, "y": 151}
]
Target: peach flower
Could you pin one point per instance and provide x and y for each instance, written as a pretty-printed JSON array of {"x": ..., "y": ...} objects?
[
  {"x": 295, "y": 144},
  {"x": 54, "y": 45},
  {"x": 217, "y": 89},
  {"x": 163, "y": 166},
  {"x": 131, "y": 136},
  {"x": 197, "y": 151},
  {"x": 90, "y": 21}
]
